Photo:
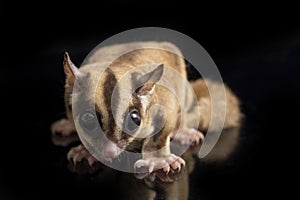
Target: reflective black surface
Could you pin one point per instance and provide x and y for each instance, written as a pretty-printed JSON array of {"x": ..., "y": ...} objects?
[{"x": 258, "y": 57}]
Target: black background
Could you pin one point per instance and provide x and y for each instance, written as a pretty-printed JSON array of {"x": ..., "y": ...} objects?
[{"x": 256, "y": 48}]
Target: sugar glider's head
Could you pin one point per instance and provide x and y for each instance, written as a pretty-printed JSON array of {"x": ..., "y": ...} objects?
[{"x": 121, "y": 99}]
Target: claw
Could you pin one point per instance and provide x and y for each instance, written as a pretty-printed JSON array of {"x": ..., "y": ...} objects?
[
  {"x": 179, "y": 167},
  {"x": 175, "y": 165},
  {"x": 70, "y": 155},
  {"x": 166, "y": 167},
  {"x": 182, "y": 162},
  {"x": 76, "y": 158},
  {"x": 151, "y": 167},
  {"x": 91, "y": 160}
]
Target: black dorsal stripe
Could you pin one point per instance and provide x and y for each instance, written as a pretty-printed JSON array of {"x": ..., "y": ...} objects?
[{"x": 109, "y": 84}]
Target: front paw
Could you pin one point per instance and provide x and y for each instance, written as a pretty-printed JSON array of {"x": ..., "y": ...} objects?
[
  {"x": 173, "y": 175},
  {"x": 77, "y": 154},
  {"x": 165, "y": 163}
]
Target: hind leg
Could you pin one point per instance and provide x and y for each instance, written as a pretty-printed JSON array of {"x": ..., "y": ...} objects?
[
  {"x": 188, "y": 136},
  {"x": 63, "y": 127}
]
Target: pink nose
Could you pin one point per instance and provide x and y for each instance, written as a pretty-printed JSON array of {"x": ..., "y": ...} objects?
[
  {"x": 111, "y": 153},
  {"x": 111, "y": 150}
]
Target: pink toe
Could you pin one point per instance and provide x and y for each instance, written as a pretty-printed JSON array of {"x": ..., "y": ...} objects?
[
  {"x": 174, "y": 165},
  {"x": 166, "y": 168},
  {"x": 140, "y": 163},
  {"x": 170, "y": 159}
]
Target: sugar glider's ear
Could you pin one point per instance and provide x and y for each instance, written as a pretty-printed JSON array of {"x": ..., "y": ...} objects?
[
  {"x": 71, "y": 70},
  {"x": 149, "y": 80}
]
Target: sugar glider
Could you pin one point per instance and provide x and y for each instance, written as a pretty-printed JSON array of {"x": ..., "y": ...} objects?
[{"x": 136, "y": 114}]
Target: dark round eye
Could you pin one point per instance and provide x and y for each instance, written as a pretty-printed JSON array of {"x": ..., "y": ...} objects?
[
  {"x": 88, "y": 120},
  {"x": 136, "y": 118},
  {"x": 132, "y": 121}
]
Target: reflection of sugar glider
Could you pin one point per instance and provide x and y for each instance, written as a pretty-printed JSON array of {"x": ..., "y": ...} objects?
[{"x": 136, "y": 115}]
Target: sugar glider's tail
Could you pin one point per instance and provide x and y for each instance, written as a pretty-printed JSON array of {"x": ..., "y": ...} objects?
[{"x": 229, "y": 139}]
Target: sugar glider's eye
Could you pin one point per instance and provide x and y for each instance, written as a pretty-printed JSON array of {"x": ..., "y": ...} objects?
[
  {"x": 133, "y": 120},
  {"x": 135, "y": 116},
  {"x": 88, "y": 120}
]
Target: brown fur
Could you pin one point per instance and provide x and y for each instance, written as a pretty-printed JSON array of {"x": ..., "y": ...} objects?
[
  {"x": 117, "y": 68},
  {"x": 233, "y": 114},
  {"x": 141, "y": 57}
]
